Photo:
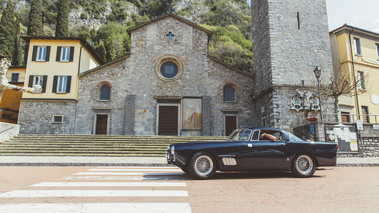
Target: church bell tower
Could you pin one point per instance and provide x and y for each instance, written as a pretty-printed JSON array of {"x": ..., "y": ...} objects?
[{"x": 290, "y": 38}]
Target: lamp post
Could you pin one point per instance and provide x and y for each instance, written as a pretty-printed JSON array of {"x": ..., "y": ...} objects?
[{"x": 317, "y": 72}]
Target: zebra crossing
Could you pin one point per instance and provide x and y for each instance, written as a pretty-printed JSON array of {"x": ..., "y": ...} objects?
[{"x": 104, "y": 189}]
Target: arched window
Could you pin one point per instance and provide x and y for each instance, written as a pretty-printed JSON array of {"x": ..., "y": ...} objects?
[
  {"x": 229, "y": 94},
  {"x": 105, "y": 93}
]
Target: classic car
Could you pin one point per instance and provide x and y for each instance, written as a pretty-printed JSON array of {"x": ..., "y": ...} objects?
[{"x": 253, "y": 149}]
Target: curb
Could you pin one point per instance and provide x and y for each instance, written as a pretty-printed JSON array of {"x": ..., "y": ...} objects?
[
  {"x": 86, "y": 164},
  {"x": 357, "y": 165},
  {"x": 62, "y": 164}
]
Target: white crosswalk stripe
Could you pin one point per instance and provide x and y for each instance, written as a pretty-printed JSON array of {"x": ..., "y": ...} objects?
[
  {"x": 156, "y": 182},
  {"x": 125, "y": 173},
  {"x": 95, "y": 207},
  {"x": 108, "y": 184},
  {"x": 94, "y": 193}
]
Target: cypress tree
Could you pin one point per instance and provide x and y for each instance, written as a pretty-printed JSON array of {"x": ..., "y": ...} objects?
[
  {"x": 101, "y": 50},
  {"x": 35, "y": 27},
  {"x": 62, "y": 19},
  {"x": 7, "y": 31},
  {"x": 17, "y": 53},
  {"x": 110, "y": 53}
]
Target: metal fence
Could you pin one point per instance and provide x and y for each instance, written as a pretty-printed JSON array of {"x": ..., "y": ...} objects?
[{"x": 350, "y": 118}]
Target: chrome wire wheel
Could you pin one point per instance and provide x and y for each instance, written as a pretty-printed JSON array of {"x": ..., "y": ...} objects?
[
  {"x": 304, "y": 166},
  {"x": 203, "y": 165}
]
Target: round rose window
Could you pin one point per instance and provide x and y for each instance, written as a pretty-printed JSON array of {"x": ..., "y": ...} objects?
[{"x": 169, "y": 69}]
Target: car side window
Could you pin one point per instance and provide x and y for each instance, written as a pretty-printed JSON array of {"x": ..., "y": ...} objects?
[
  {"x": 245, "y": 135},
  {"x": 255, "y": 136},
  {"x": 270, "y": 135}
]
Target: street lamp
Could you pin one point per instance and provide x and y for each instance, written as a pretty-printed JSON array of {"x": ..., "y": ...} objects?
[{"x": 317, "y": 72}]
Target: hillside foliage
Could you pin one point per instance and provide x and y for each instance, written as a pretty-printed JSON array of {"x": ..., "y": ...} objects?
[{"x": 229, "y": 20}]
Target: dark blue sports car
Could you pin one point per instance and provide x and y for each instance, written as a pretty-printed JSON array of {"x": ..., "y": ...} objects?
[{"x": 253, "y": 149}]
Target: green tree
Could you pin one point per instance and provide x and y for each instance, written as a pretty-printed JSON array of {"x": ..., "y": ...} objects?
[
  {"x": 17, "y": 53},
  {"x": 126, "y": 45},
  {"x": 61, "y": 29},
  {"x": 35, "y": 27},
  {"x": 101, "y": 50},
  {"x": 7, "y": 31},
  {"x": 157, "y": 8},
  {"x": 109, "y": 48}
]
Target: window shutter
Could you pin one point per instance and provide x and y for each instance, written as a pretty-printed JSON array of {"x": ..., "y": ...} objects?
[
  {"x": 72, "y": 54},
  {"x": 31, "y": 77},
  {"x": 68, "y": 88},
  {"x": 55, "y": 82},
  {"x": 34, "y": 54},
  {"x": 59, "y": 50},
  {"x": 44, "y": 81},
  {"x": 47, "y": 58}
]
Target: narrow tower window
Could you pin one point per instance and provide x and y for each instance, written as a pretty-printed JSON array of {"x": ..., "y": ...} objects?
[{"x": 298, "y": 20}]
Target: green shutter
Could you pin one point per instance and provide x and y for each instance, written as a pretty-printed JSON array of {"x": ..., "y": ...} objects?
[
  {"x": 44, "y": 82},
  {"x": 55, "y": 82},
  {"x": 59, "y": 50},
  {"x": 68, "y": 89},
  {"x": 72, "y": 54},
  {"x": 47, "y": 58},
  {"x": 34, "y": 54},
  {"x": 31, "y": 77}
]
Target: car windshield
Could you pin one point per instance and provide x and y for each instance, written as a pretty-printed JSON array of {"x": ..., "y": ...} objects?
[
  {"x": 293, "y": 137},
  {"x": 240, "y": 135}
]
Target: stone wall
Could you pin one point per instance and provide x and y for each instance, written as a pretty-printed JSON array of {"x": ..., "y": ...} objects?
[
  {"x": 290, "y": 38},
  {"x": 138, "y": 76},
  {"x": 36, "y": 117}
]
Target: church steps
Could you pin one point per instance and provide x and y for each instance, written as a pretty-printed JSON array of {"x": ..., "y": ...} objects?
[{"x": 94, "y": 145}]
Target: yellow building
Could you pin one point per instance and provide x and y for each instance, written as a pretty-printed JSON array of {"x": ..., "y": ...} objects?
[
  {"x": 53, "y": 63},
  {"x": 10, "y": 101},
  {"x": 355, "y": 54}
]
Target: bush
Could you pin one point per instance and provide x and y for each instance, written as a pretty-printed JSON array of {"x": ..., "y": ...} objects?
[{"x": 84, "y": 16}]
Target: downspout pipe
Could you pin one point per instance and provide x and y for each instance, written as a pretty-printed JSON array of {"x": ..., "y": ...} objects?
[{"x": 355, "y": 78}]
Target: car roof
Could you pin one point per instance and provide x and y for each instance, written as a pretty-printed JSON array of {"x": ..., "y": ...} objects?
[{"x": 265, "y": 128}]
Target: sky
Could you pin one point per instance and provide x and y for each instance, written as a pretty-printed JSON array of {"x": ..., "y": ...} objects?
[{"x": 362, "y": 14}]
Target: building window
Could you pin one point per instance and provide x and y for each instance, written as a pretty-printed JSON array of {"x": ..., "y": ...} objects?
[
  {"x": 357, "y": 45},
  {"x": 229, "y": 93},
  {"x": 345, "y": 117},
  {"x": 38, "y": 80},
  {"x": 65, "y": 54},
  {"x": 169, "y": 69},
  {"x": 105, "y": 93},
  {"x": 361, "y": 80},
  {"x": 41, "y": 53},
  {"x": 58, "y": 119},
  {"x": 62, "y": 84},
  {"x": 377, "y": 51},
  {"x": 14, "y": 77},
  {"x": 365, "y": 117}
]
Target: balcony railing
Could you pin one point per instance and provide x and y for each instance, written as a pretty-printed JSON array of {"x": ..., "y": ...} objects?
[{"x": 350, "y": 118}]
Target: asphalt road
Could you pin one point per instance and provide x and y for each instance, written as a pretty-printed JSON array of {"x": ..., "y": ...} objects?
[{"x": 167, "y": 189}]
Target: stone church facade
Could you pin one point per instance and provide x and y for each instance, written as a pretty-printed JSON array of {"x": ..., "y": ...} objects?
[{"x": 168, "y": 85}]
